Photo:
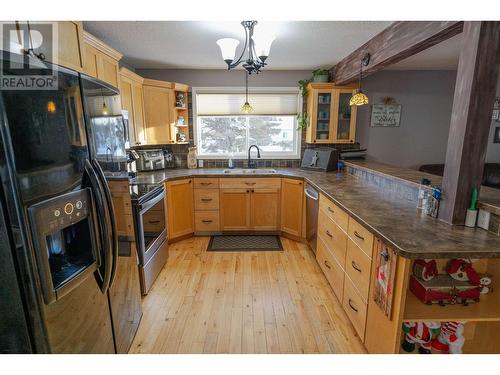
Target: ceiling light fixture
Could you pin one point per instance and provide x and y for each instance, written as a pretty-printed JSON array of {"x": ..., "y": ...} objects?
[
  {"x": 257, "y": 49},
  {"x": 246, "y": 108},
  {"x": 360, "y": 98}
]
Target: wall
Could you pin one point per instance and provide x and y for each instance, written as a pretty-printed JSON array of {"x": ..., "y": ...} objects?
[
  {"x": 493, "y": 150},
  {"x": 427, "y": 99},
  {"x": 224, "y": 78}
]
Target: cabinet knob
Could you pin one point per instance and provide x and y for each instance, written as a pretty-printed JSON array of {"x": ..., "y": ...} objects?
[{"x": 248, "y": 191}]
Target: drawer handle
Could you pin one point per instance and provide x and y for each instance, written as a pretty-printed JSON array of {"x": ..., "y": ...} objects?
[
  {"x": 154, "y": 221},
  {"x": 207, "y": 221},
  {"x": 355, "y": 266},
  {"x": 206, "y": 199},
  {"x": 331, "y": 210},
  {"x": 359, "y": 235},
  {"x": 250, "y": 183},
  {"x": 329, "y": 234},
  {"x": 327, "y": 264},
  {"x": 205, "y": 183},
  {"x": 351, "y": 306}
]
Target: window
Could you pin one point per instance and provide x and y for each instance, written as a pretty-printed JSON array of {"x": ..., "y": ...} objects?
[{"x": 222, "y": 130}]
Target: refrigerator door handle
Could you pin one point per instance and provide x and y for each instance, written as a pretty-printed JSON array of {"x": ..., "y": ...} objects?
[
  {"x": 95, "y": 184},
  {"x": 113, "y": 235}
]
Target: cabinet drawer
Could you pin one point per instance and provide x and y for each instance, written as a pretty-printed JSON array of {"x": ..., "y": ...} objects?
[
  {"x": 333, "y": 237},
  {"x": 354, "y": 307},
  {"x": 206, "y": 199},
  {"x": 155, "y": 221},
  {"x": 334, "y": 212},
  {"x": 206, "y": 183},
  {"x": 250, "y": 183},
  {"x": 358, "y": 267},
  {"x": 332, "y": 270},
  {"x": 360, "y": 236},
  {"x": 206, "y": 221}
]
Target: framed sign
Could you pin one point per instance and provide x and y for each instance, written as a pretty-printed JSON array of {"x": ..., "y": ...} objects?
[{"x": 385, "y": 115}]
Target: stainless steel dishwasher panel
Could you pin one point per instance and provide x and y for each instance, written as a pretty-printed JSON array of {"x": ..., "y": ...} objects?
[{"x": 312, "y": 206}]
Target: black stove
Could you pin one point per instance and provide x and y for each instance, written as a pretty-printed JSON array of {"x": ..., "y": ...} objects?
[{"x": 140, "y": 192}]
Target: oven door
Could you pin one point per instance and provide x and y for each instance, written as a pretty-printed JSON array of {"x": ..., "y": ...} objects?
[{"x": 151, "y": 226}]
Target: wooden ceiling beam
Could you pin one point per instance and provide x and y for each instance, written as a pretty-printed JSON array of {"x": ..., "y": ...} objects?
[{"x": 395, "y": 43}]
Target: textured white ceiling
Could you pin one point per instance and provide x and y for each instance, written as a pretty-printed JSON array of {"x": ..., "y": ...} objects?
[
  {"x": 298, "y": 44},
  {"x": 192, "y": 44}
]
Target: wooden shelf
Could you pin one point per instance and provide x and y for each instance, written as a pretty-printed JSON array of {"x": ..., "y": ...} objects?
[
  {"x": 487, "y": 310},
  {"x": 180, "y": 126},
  {"x": 180, "y": 108}
]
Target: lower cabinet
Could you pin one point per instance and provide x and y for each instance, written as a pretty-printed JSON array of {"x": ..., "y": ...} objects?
[
  {"x": 265, "y": 209},
  {"x": 292, "y": 200},
  {"x": 344, "y": 256},
  {"x": 234, "y": 209},
  {"x": 180, "y": 208}
]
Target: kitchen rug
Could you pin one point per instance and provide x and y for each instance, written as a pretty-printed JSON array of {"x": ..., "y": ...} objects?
[{"x": 245, "y": 243}]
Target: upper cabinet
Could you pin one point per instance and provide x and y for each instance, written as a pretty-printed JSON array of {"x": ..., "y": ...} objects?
[
  {"x": 101, "y": 61},
  {"x": 131, "y": 92},
  {"x": 70, "y": 53},
  {"x": 331, "y": 118},
  {"x": 165, "y": 112},
  {"x": 159, "y": 101}
]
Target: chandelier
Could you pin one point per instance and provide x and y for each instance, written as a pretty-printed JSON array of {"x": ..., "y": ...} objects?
[
  {"x": 360, "y": 97},
  {"x": 256, "y": 49}
]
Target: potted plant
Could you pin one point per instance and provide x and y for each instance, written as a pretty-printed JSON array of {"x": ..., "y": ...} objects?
[
  {"x": 302, "y": 120},
  {"x": 320, "y": 75},
  {"x": 303, "y": 86}
]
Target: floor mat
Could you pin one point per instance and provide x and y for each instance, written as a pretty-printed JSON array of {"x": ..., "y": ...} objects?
[{"x": 245, "y": 243}]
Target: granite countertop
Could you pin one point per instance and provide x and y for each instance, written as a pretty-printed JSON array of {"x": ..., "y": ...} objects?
[
  {"x": 396, "y": 221},
  {"x": 489, "y": 198}
]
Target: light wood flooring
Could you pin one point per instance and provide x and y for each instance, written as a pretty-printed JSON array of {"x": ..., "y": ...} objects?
[{"x": 243, "y": 302}]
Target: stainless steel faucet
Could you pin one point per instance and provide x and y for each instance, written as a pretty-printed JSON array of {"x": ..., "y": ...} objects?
[{"x": 251, "y": 163}]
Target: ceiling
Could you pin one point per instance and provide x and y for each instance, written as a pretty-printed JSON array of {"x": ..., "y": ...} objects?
[{"x": 298, "y": 44}]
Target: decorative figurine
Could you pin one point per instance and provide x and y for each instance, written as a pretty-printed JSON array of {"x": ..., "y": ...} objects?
[
  {"x": 450, "y": 339},
  {"x": 462, "y": 270},
  {"x": 421, "y": 333},
  {"x": 179, "y": 99},
  {"x": 425, "y": 269}
]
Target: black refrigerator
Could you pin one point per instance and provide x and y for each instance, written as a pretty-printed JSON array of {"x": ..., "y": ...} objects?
[{"x": 59, "y": 247}]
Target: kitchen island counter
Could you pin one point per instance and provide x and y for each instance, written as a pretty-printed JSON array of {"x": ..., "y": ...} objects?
[{"x": 394, "y": 220}]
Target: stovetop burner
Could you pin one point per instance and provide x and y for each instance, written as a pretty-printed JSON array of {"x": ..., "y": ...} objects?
[{"x": 141, "y": 191}]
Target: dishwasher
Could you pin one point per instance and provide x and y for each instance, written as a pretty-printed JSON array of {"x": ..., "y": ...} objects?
[{"x": 312, "y": 205}]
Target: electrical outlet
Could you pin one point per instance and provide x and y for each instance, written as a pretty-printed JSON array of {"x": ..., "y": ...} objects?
[{"x": 483, "y": 219}]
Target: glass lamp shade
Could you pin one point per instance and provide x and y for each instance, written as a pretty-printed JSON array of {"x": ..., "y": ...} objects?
[
  {"x": 246, "y": 108},
  {"x": 228, "y": 48},
  {"x": 359, "y": 99},
  {"x": 263, "y": 44}
]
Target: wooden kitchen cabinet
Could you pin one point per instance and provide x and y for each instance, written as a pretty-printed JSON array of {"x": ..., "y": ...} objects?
[
  {"x": 159, "y": 102},
  {"x": 131, "y": 93},
  {"x": 250, "y": 204},
  {"x": 101, "y": 61},
  {"x": 331, "y": 118},
  {"x": 180, "y": 208},
  {"x": 292, "y": 199},
  {"x": 235, "y": 209},
  {"x": 70, "y": 46},
  {"x": 265, "y": 209}
]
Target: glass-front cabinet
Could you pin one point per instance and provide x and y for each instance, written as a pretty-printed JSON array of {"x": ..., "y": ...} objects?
[{"x": 331, "y": 118}]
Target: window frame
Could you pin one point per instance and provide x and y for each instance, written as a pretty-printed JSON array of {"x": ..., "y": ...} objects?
[{"x": 295, "y": 154}]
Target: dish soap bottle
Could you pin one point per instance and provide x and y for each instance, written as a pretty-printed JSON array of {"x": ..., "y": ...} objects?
[{"x": 230, "y": 162}]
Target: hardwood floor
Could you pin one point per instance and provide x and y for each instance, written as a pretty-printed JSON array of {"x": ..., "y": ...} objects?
[{"x": 243, "y": 302}]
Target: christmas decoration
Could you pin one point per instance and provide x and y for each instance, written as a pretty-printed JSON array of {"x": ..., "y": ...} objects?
[
  {"x": 425, "y": 269},
  {"x": 462, "y": 270},
  {"x": 450, "y": 339},
  {"x": 421, "y": 333}
]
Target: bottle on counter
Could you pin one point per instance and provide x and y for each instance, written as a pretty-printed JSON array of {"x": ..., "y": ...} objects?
[
  {"x": 423, "y": 193},
  {"x": 230, "y": 162},
  {"x": 191, "y": 158}
]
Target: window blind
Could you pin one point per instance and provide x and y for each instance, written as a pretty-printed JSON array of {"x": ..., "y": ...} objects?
[{"x": 262, "y": 103}]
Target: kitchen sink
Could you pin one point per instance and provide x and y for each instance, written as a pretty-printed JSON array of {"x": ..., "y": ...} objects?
[{"x": 249, "y": 171}]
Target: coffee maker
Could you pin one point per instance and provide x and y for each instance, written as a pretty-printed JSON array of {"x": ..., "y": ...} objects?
[{"x": 132, "y": 157}]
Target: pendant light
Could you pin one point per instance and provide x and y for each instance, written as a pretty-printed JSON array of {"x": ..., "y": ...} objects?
[
  {"x": 104, "y": 107},
  {"x": 256, "y": 49},
  {"x": 246, "y": 108},
  {"x": 360, "y": 98}
]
